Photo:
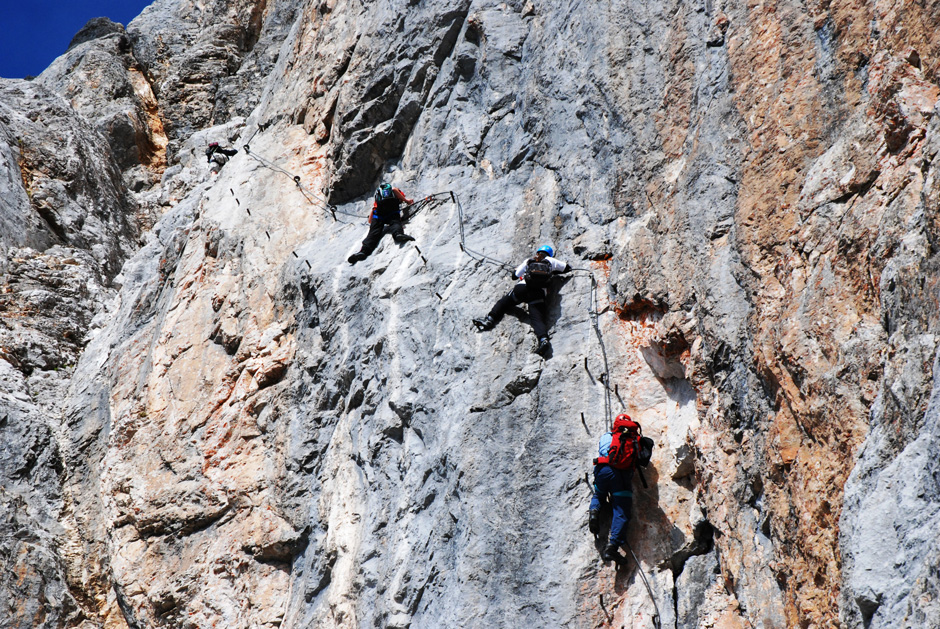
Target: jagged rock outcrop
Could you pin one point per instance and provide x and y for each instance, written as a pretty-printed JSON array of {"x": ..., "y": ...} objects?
[
  {"x": 66, "y": 226},
  {"x": 105, "y": 84},
  {"x": 258, "y": 434},
  {"x": 208, "y": 62}
]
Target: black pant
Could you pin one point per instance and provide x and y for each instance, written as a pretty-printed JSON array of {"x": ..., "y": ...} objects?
[
  {"x": 538, "y": 308},
  {"x": 377, "y": 229}
]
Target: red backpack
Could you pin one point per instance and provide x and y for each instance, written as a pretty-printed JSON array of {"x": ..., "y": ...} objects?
[{"x": 624, "y": 452}]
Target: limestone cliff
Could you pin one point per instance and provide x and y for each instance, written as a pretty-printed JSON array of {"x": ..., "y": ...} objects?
[{"x": 209, "y": 418}]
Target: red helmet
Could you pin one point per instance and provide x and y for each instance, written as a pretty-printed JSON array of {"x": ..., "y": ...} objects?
[{"x": 623, "y": 421}]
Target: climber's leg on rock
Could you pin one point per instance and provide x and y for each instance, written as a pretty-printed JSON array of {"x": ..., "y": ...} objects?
[
  {"x": 543, "y": 347},
  {"x": 594, "y": 512},
  {"x": 484, "y": 323},
  {"x": 519, "y": 294},
  {"x": 502, "y": 305},
  {"x": 616, "y": 484},
  {"x": 621, "y": 502},
  {"x": 398, "y": 232},
  {"x": 495, "y": 315},
  {"x": 371, "y": 241},
  {"x": 537, "y": 316},
  {"x": 610, "y": 552},
  {"x": 513, "y": 298}
]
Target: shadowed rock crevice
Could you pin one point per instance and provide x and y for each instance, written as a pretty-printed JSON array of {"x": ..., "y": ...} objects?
[{"x": 369, "y": 136}]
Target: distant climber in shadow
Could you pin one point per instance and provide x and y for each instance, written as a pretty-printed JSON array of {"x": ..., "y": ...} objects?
[
  {"x": 386, "y": 214},
  {"x": 217, "y": 157},
  {"x": 620, "y": 452},
  {"x": 534, "y": 279}
]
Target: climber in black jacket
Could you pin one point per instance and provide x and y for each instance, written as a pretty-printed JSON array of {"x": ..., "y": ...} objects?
[
  {"x": 218, "y": 157},
  {"x": 386, "y": 212},
  {"x": 534, "y": 279}
]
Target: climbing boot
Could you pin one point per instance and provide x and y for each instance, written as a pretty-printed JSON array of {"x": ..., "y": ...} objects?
[
  {"x": 484, "y": 324},
  {"x": 594, "y": 521},
  {"x": 356, "y": 257},
  {"x": 543, "y": 347},
  {"x": 402, "y": 238},
  {"x": 610, "y": 553}
]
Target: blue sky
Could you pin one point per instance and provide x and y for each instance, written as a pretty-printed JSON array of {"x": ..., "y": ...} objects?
[{"x": 34, "y": 32}]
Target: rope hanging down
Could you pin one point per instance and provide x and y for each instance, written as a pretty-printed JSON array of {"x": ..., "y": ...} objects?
[{"x": 594, "y": 314}]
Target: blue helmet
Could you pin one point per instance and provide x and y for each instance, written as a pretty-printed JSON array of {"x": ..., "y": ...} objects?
[{"x": 547, "y": 249}]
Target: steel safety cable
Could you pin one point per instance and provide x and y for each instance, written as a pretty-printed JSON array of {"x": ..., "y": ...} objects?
[
  {"x": 656, "y": 618},
  {"x": 594, "y": 315},
  {"x": 431, "y": 201},
  {"x": 312, "y": 197},
  {"x": 463, "y": 241}
]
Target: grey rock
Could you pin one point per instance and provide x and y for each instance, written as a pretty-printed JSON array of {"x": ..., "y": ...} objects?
[
  {"x": 700, "y": 574},
  {"x": 71, "y": 226},
  {"x": 259, "y": 434},
  {"x": 75, "y": 190},
  {"x": 66, "y": 226},
  {"x": 122, "y": 105},
  {"x": 96, "y": 28},
  {"x": 34, "y": 585},
  {"x": 209, "y": 64},
  {"x": 892, "y": 498}
]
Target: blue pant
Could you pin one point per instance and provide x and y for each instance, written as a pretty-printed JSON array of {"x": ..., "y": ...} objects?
[{"x": 615, "y": 484}]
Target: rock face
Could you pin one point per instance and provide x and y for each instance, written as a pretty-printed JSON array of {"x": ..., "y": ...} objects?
[{"x": 209, "y": 418}]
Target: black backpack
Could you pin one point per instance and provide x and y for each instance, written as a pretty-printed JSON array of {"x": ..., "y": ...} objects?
[
  {"x": 538, "y": 274},
  {"x": 384, "y": 193},
  {"x": 645, "y": 452},
  {"x": 386, "y": 202}
]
